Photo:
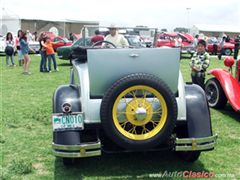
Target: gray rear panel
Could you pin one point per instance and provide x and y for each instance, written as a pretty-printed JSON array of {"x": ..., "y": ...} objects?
[{"x": 106, "y": 66}]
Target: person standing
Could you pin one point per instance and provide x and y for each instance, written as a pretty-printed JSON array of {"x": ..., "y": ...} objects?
[
  {"x": 215, "y": 46},
  {"x": 24, "y": 47},
  {"x": 117, "y": 39},
  {"x": 98, "y": 37},
  {"x": 222, "y": 47},
  {"x": 236, "y": 47},
  {"x": 9, "y": 50},
  {"x": 195, "y": 41},
  {"x": 199, "y": 64},
  {"x": 20, "y": 56},
  {"x": 50, "y": 54},
  {"x": 42, "y": 50}
]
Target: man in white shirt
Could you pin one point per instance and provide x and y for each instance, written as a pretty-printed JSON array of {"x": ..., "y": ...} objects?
[{"x": 117, "y": 39}]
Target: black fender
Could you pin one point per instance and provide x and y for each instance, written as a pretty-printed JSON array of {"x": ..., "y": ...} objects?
[
  {"x": 66, "y": 94},
  {"x": 69, "y": 94},
  {"x": 198, "y": 114}
]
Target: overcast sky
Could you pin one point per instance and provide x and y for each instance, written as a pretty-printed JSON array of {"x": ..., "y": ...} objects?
[{"x": 153, "y": 13}]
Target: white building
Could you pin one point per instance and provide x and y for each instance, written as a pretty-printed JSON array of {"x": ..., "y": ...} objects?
[{"x": 215, "y": 30}]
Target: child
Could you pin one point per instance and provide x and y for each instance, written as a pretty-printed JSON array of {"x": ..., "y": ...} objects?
[
  {"x": 199, "y": 64},
  {"x": 50, "y": 54}
]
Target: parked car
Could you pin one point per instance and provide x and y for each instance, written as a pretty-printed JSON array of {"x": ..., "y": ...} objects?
[
  {"x": 228, "y": 47},
  {"x": 34, "y": 45},
  {"x": 128, "y": 99},
  {"x": 224, "y": 86},
  {"x": 50, "y": 35},
  {"x": 2, "y": 44},
  {"x": 61, "y": 42},
  {"x": 64, "y": 52},
  {"x": 184, "y": 41}
]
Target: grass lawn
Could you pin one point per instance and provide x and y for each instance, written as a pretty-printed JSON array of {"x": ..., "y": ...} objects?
[{"x": 26, "y": 135}]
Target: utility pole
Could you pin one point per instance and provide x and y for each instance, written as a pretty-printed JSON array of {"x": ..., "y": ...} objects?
[{"x": 188, "y": 16}]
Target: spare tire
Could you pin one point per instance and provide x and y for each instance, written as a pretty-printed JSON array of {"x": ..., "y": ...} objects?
[{"x": 138, "y": 112}]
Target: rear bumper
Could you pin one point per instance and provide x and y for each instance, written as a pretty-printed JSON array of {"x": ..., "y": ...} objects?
[
  {"x": 195, "y": 144},
  {"x": 77, "y": 151}
]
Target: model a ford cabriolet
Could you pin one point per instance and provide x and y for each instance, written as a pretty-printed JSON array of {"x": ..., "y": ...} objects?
[{"x": 129, "y": 100}]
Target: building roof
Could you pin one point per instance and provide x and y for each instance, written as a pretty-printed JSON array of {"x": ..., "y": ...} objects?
[{"x": 217, "y": 28}]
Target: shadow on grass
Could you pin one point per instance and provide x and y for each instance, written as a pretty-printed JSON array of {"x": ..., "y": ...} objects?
[
  {"x": 67, "y": 63},
  {"x": 230, "y": 112},
  {"x": 125, "y": 166}
]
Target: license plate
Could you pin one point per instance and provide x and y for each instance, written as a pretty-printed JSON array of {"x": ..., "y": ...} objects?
[{"x": 67, "y": 121}]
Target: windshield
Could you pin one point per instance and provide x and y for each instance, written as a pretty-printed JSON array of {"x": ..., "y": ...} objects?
[
  {"x": 134, "y": 41},
  {"x": 79, "y": 42}
]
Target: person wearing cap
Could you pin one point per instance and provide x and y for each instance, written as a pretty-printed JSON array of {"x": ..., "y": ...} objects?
[
  {"x": 117, "y": 39},
  {"x": 199, "y": 64}
]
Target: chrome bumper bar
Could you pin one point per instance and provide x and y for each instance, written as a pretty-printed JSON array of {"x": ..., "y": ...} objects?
[
  {"x": 77, "y": 151},
  {"x": 195, "y": 144}
]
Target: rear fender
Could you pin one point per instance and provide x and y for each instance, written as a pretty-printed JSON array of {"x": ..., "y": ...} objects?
[
  {"x": 230, "y": 86},
  {"x": 198, "y": 115},
  {"x": 69, "y": 94},
  {"x": 66, "y": 94}
]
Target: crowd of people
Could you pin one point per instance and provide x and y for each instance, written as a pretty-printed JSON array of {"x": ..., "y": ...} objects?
[
  {"x": 21, "y": 45},
  {"x": 199, "y": 62}
]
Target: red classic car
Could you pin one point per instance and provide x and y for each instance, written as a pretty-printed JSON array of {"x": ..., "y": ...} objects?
[
  {"x": 228, "y": 46},
  {"x": 61, "y": 42},
  {"x": 224, "y": 86},
  {"x": 184, "y": 41}
]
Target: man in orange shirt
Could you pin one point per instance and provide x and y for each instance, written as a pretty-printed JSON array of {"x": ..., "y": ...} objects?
[{"x": 50, "y": 54}]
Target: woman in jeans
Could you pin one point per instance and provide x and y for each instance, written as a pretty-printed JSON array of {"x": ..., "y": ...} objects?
[
  {"x": 20, "y": 56},
  {"x": 9, "y": 50},
  {"x": 42, "y": 40},
  {"x": 25, "y": 49}
]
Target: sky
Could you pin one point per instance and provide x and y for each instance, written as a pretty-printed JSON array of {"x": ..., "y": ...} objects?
[{"x": 152, "y": 13}]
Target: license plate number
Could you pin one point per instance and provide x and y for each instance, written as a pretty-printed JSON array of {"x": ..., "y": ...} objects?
[{"x": 67, "y": 121}]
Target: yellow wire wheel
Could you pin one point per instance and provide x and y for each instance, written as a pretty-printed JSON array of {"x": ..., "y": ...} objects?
[
  {"x": 139, "y": 120},
  {"x": 138, "y": 111}
]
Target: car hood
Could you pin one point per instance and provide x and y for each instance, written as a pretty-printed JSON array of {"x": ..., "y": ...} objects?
[{"x": 186, "y": 36}]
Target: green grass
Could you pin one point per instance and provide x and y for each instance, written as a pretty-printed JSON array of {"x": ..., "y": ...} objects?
[{"x": 26, "y": 135}]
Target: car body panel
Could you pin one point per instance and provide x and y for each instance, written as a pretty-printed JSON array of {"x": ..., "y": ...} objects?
[
  {"x": 198, "y": 116},
  {"x": 131, "y": 61},
  {"x": 230, "y": 86},
  {"x": 64, "y": 52}
]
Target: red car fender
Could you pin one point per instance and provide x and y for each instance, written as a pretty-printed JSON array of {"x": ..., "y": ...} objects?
[{"x": 230, "y": 86}]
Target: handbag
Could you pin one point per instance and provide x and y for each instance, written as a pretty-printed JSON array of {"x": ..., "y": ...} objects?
[{"x": 9, "y": 50}]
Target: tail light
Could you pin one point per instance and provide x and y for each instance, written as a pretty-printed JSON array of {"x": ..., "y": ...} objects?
[{"x": 66, "y": 107}]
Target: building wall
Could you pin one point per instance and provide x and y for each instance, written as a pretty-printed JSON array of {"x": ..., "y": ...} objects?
[
  {"x": 219, "y": 34},
  {"x": 40, "y": 25}
]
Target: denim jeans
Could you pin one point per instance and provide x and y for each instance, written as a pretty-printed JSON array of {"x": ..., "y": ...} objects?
[
  {"x": 12, "y": 59},
  {"x": 43, "y": 64},
  {"x": 52, "y": 56}
]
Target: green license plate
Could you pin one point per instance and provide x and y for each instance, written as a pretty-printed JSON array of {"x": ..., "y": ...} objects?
[{"x": 67, "y": 121}]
